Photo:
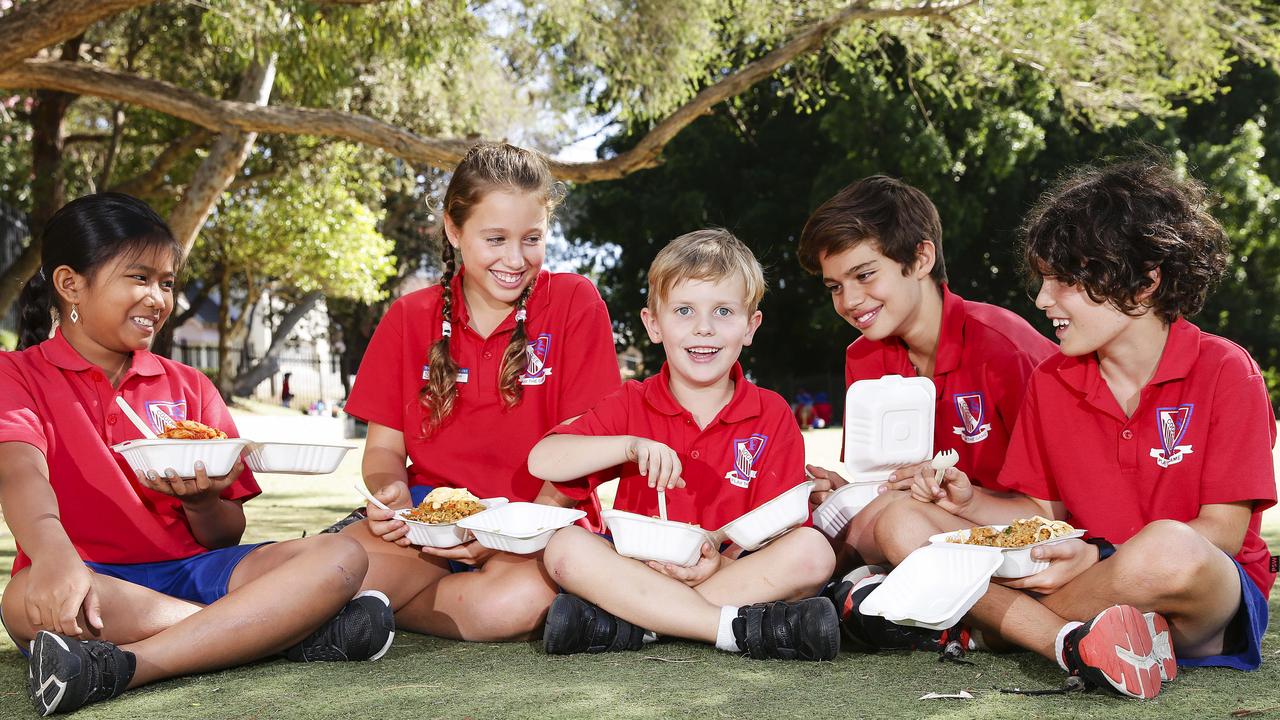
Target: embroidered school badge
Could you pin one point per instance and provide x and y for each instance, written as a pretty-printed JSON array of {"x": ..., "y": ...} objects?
[
  {"x": 972, "y": 411},
  {"x": 536, "y": 353},
  {"x": 1172, "y": 424},
  {"x": 164, "y": 414},
  {"x": 745, "y": 454}
]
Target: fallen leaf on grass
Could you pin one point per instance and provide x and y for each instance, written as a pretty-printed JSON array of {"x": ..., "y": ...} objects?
[
  {"x": 671, "y": 660},
  {"x": 962, "y": 695},
  {"x": 1250, "y": 712},
  {"x": 415, "y": 687}
]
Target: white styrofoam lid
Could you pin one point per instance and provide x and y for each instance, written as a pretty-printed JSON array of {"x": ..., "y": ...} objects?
[
  {"x": 934, "y": 586},
  {"x": 888, "y": 424}
]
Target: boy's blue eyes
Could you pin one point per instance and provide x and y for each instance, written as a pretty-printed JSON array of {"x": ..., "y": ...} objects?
[{"x": 685, "y": 310}]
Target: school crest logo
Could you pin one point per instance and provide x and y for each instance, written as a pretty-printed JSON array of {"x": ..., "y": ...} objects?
[
  {"x": 536, "y": 370},
  {"x": 971, "y": 409},
  {"x": 164, "y": 414},
  {"x": 745, "y": 454},
  {"x": 1172, "y": 424}
]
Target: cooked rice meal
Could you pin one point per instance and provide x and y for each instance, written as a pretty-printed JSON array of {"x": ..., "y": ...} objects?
[
  {"x": 445, "y": 505},
  {"x": 1020, "y": 534},
  {"x": 192, "y": 430}
]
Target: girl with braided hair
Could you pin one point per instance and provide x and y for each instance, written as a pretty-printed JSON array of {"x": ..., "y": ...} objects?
[{"x": 460, "y": 380}]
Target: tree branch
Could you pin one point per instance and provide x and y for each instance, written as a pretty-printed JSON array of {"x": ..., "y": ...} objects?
[
  {"x": 223, "y": 115},
  {"x": 148, "y": 182},
  {"x": 33, "y": 26}
]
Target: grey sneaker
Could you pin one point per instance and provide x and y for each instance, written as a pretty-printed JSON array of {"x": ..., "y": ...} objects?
[{"x": 362, "y": 630}]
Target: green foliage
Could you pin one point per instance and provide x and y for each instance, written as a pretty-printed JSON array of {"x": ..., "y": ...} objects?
[
  {"x": 8, "y": 340},
  {"x": 759, "y": 167}
]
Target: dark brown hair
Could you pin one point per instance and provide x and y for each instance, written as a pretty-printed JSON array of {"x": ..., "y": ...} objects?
[
  {"x": 485, "y": 168},
  {"x": 1106, "y": 228},
  {"x": 880, "y": 209}
]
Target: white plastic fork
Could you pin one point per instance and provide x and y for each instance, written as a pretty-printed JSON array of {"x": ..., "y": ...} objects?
[
  {"x": 943, "y": 460},
  {"x": 133, "y": 418},
  {"x": 662, "y": 504},
  {"x": 360, "y": 488}
]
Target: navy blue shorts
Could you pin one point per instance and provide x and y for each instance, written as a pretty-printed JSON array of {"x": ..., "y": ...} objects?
[
  {"x": 416, "y": 494},
  {"x": 1242, "y": 640},
  {"x": 200, "y": 578}
]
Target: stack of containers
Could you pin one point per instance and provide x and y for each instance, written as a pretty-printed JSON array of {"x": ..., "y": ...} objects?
[{"x": 888, "y": 425}]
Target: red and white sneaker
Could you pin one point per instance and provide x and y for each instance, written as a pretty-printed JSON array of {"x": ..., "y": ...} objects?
[
  {"x": 1114, "y": 651},
  {"x": 1162, "y": 645}
]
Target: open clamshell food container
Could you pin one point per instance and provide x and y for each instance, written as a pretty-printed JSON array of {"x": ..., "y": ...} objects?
[
  {"x": 648, "y": 538},
  {"x": 161, "y": 454},
  {"x": 1016, "y": 561},
  {"x": 756, "y": 528},
  {"x": 442, "y": 535},
  {"x": 295, "y": 458},
  {"x": 934, "y": 586},
  {"x": 519, "y": 527},
  {"x": 888, "y": 425}
]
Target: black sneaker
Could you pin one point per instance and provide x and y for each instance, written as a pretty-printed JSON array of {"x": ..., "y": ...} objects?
[
  {"x": 576, "y": 626},
  {"x": 869, "y": 633},
  {"x": 362, "y": 630},
  {"x": 66, "y": 674},
  {"x": 356, "y": 516},
  {"x": 804, "y": 630},
  {"x": 1114, "y": 651}
]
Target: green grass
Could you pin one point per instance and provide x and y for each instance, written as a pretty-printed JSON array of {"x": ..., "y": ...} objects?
[{"x": 425, "y": 677}]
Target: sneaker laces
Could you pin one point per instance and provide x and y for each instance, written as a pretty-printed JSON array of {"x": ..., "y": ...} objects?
[{"x": 105, "y": 676}]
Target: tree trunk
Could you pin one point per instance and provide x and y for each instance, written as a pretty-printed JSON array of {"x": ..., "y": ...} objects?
[
  {"x": 33, "y": 26},
  {"x": 48, "y": 192},
  {"x": 270, "y": 363},
  {"x": 224, "y": 160},
  {"x": 226, "y": 366}
]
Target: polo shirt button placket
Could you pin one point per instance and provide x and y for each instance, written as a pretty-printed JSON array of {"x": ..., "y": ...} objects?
[
  {"x": 694, "y": 454},
  {"x": 1127, "y": 434}
]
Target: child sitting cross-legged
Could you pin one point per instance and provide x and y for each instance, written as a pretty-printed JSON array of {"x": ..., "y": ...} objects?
[{"x": 719, "y": 446}]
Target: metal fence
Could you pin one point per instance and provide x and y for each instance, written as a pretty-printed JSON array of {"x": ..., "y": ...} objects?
[{"x": 313, "y": 377}]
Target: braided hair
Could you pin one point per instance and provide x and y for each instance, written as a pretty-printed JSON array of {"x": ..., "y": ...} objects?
[
  {"x": 487, "y": 167},
  {"x": 84, "y": 235}
]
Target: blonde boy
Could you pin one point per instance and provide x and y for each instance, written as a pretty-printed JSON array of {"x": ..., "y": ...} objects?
[{"x": 718, "y": 446}]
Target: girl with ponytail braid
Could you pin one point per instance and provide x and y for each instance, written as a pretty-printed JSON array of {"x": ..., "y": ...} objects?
[
  {"x": 461, "y": 380},
  {"x": 122, "y": 579}
]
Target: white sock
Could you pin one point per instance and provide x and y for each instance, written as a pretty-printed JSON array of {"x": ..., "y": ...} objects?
[
  {"x": 1058, "y": 654},
  {"x": 976, "y": 641},
  {"x": 724, "y": 636},
  {"x": 649, "y": 637}
]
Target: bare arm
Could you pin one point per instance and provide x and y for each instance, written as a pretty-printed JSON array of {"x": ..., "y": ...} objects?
[
  {"x": 1224, "y": 524},
  {"x": 59, "y": 583},
  {"x": 559, "y": 458},
  {"x": 384, "y": 458}
]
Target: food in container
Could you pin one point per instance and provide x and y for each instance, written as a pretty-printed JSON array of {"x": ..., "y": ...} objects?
[
  {"x": 520, "y": 527},
  {"x": 647, "y": 538},
  {"x": 773, "y": 518},
  {"x": 191, "y": 430},
  {"x": 433, "y": 527},
  {"x": 218, "y": 456},
  {"x": 888, "y": 425},
  {"x": 295, "y": 458},
  {"x": 1013, "y": 543}
]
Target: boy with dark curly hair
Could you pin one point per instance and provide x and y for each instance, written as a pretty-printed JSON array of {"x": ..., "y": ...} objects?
[{"x": 1150, "y": 434}]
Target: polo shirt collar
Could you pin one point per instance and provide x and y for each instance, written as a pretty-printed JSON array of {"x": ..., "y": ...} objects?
[
  {"x": 744, "y": 405},
  {"x": 1181, "y": 349},
  {"x": 59, "y": 353},
  {"x": 951, "y": 334},
  {"x": 539, "y": 300}
]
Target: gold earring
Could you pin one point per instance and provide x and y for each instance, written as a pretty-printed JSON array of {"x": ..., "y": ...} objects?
[{"x": 75, "y": 314}]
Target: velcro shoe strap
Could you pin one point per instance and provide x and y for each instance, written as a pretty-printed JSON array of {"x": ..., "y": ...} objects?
[{"x": 755, "y": 631}]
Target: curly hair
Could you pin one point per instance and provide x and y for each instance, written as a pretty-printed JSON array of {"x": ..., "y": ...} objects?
[
  {"x": 1107, "y": 228},
  {"x": 885, "y": 210}
]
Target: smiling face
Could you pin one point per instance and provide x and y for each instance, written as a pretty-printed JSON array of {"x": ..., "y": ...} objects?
[
  {"x": 502, "y": 244},
  {"x": 871, "y": 292},
  {"x": 1081, "y": 325},
  {"x": 703, "y": 326},
  {"x": 121, "y": 305}
]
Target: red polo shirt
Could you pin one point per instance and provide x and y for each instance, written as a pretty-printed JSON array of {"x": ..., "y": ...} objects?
[
  {"x": 1202, "y": 434},
  {"x": 64, "y": 406},
  {"x": 748, "y": 455},
  {"x": 484, "y": 446},
  {"x": 985, "y": 355}
]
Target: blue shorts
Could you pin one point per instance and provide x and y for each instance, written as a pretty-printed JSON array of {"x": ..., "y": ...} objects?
[
  {"x": 200, "y": 578},
  {"x": 416, "y": 494},
  {"x": 1242, "y": 640}
]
